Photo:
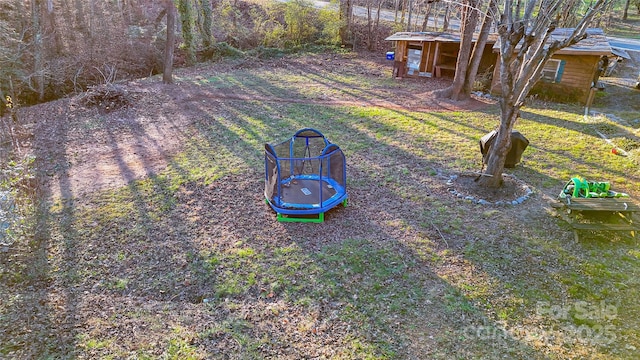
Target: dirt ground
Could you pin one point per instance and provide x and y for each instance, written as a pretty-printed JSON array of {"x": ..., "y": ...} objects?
[
  {"x": 95, "y": 165},
  {"x": 619, "y": 92},
  {"x": 85, "y": 149}
]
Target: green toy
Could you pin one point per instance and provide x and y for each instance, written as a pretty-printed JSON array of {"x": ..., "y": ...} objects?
[{"x": 579, "y": 187}]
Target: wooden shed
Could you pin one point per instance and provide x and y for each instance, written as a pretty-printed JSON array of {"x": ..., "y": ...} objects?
[
  {"x": 572, "y": 73},
  {"x": 432, "y": 54}
]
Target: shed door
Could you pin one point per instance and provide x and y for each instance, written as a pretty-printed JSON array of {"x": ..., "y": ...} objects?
[{"x": 413, "y": 61}]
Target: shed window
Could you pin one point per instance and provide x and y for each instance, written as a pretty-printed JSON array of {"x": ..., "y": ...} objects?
[{"x": 552, "y": 71}]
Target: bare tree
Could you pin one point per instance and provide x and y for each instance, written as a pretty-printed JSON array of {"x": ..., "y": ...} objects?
[
  {"x": 207, "y": 19},
  {"x": 469, "y": 21},
  {"x": 186, "y": 20},
  {"x": 51, "y": 31},
  {"x": 625, "y": 14},
  {"x": 38, "y": 49},
  {"x": 377, "y": 24},
  {"x": 427, "y": 13},
  {"x": 80, "y": 19},
  {"x": 525, "y": 47},
  {"x": 445, "y": 18},
  {"x": 468, "y": 60},
  {"x": 346, "y": 9},
  {"x": 369, "y": 25},
  {"x": 372, "y": 25},
  {"x": 167, "y": 71},
  {"x": 478, "y": 49},
  {"x": 396, "y": 8}
]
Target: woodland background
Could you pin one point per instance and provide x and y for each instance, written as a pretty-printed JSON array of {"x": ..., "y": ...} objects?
[{"x": 53, "y": 48}]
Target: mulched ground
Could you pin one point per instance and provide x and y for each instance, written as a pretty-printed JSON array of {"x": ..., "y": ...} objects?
[{"x": 467, "y": 184}]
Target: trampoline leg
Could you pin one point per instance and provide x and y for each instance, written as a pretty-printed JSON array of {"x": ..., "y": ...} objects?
[
  {"x": 345, "y": 203},
  {"x": 319, "y": 219}
]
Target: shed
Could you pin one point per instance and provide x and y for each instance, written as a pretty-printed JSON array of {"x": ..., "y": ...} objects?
[
  {"x": 432, "y": 53},
  {"x": 571, "y": 72}
]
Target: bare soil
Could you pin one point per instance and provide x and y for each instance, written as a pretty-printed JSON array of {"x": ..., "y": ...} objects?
[
  {"x": 620, "y": 93},
  {"x": 468, "y": 184},
  {"x": 106, "y": 137}
]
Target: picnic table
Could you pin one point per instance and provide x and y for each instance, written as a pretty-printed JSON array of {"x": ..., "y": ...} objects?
[{"x": 601, "y": 214}]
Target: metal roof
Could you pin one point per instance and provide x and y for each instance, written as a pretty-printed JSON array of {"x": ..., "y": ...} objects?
[
  {"x": 595, "y": 43},
  {"x": 433, "y": 36}
]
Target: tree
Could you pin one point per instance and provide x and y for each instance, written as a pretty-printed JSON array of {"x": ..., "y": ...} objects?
[
  {"x": 38, "y": 49},
  {"x": 469, "y": 21},
  {"x": 11, "y": 66},
  {"x": 372, "y": 25},
  {"x": 470, "y": 55},
  {"x": 478, "y": 49},
  {"x": 299, "y": 16},
  {"x": 346, "y": 9},
  {"x": 525, "y": 47},
  {"x": 625, "y": 14},
  {"x": 207, "y": 20},
  {"x": 445, "y": 17},
  {"x": 427, "y": 13},
  {"x": 186, "y": 20},
  {"x": 167, "y": 71},
  {"x": 50, "y": 29}
]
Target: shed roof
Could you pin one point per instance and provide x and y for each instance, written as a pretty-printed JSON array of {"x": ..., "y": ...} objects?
[
  {"x": 595, "y": 43},
  {"x": 433, "y": 36}
]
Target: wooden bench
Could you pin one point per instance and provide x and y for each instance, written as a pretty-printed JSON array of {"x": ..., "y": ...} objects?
[
  {"x": 621, "y": 210},
  {"x": 441, "y": 67}
]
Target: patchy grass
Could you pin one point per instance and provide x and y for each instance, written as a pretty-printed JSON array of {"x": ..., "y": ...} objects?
[
  {"x": 189, "y": 263},
  {"x": 628, "y": 28}
]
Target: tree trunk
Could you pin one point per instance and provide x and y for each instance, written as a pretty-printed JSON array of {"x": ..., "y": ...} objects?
[
  {"x": 427, "y": 13},
  {"x": 470, "y": 19},
  {"x": 346, "y": 9},
  {"x": 501, "y": 145},
  {"x": 91, "y": 28},
  {"x": 436, "y": 16},
  {"x": 50, "y": 28},
  {"x": 478, "y": 49},
  {"x": 186, "y": 19},
  {"x": 409, "y": 16},
  {"x": 167, "y": 71},
  {"x": 369, "y": 26},
  {"x": 80, "y": 20},
  {"x": 397, "y": 7},
  {"x": 38, "y": 55},
  {"x": 417, "y": 17},
  {"x": 468, "y": 23},
  {"x": 207, "y": 21},
  {"x": 445, "y": 21},
  {"x": 376, "y": 26},
  {"x": 521, "y": 69},
  {"x": 67, "y": 14},
  {"x": 625, "y": 14}
]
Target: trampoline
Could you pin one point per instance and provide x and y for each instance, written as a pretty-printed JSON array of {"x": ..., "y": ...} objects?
[{"x": 305, "y": 176}]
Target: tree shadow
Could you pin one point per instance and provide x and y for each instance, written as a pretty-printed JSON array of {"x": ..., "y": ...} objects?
[{"x": 190, "y": 259}]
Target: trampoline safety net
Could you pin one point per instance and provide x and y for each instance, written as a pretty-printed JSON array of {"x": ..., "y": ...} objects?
[{"x": 305, "y": 174}]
